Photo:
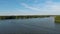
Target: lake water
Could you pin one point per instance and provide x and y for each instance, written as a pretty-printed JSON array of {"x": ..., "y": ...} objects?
[{"x": 30, "y": 26}]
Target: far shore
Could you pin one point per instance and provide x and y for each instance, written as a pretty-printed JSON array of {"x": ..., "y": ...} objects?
[
  {"x": 57, "y": 17},
  {"x": 21, "y": 17}
]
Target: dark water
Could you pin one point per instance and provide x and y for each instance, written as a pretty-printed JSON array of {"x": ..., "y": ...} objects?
[{"x": 30, "y": 26}]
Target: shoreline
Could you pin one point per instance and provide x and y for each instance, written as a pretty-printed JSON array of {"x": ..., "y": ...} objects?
[{"x": 17, "y": 17}]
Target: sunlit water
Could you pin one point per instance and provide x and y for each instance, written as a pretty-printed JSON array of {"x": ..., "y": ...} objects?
[{"x": 29, "y": 26}]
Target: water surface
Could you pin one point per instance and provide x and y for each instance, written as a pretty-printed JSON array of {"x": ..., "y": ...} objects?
[{"x": 29, "y": 26}]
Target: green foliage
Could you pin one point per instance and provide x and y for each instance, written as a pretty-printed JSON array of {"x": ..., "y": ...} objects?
[
  {"x": 57, "y": 19},
  {"x": 22, "y": 17}
]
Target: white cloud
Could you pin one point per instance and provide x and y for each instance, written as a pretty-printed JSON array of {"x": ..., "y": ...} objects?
[
  {"x": 49, "y": 7},
  {"x": 29, "y": 7}
]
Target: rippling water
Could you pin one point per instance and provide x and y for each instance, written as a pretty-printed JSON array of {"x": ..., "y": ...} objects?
[{"x": 29, "y": 26}]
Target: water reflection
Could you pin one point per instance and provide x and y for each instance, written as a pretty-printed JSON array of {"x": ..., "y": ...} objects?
[{"x": 29, "y": 26}]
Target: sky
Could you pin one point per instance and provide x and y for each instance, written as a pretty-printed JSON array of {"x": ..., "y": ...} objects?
[{"x": 29, "y": 7}]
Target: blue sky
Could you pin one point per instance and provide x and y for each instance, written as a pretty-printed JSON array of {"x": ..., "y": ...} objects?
[{"x": 29, "y": 7}]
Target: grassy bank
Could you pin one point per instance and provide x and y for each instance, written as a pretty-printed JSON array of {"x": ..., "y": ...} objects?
[
  {"x": 57, "y": 19},
  {"x": 21, "y": 17}
]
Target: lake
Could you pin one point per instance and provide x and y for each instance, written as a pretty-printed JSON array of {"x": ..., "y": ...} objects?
[{"x": 30, "y": 26}]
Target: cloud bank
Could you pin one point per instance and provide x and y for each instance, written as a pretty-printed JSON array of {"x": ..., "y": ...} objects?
[
  {"x": 34, "y": 7},
  {"x": 48, "y": 8}
]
